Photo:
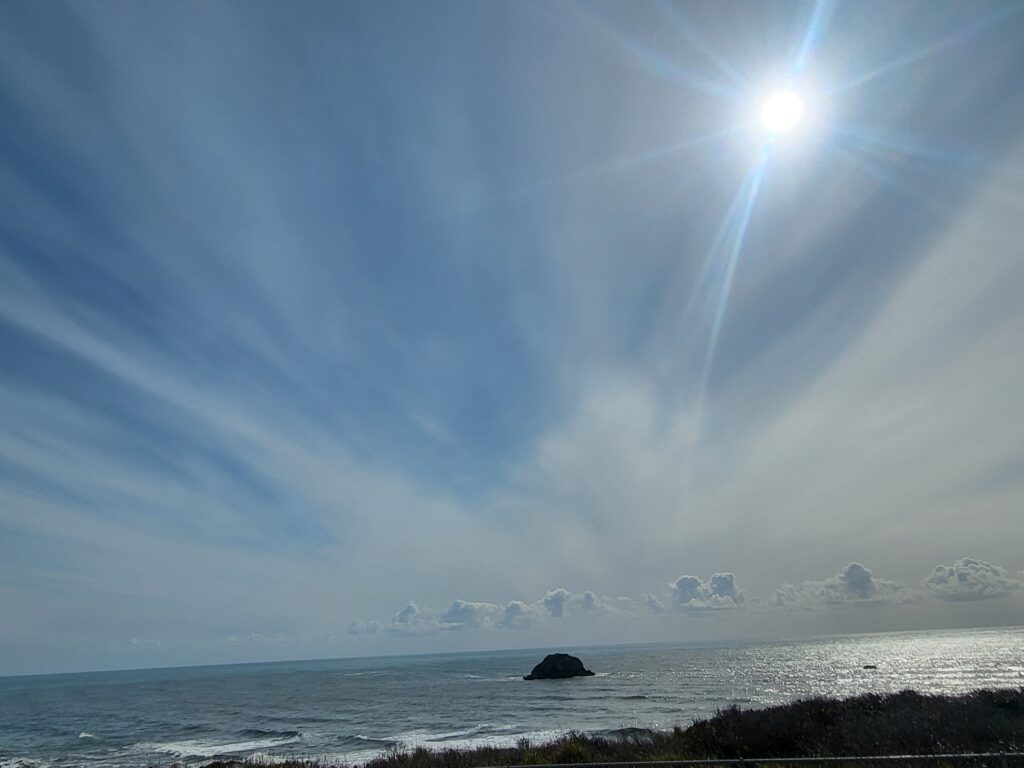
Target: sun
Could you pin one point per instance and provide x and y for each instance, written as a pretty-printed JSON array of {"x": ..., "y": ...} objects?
[{"x": 781, "y": 112}]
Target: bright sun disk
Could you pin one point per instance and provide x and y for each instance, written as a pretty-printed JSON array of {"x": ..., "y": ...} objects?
[{"x": 781, "y": 111}]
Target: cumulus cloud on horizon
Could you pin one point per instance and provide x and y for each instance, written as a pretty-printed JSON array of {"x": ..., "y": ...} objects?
[
  {"x": 466, "y": 613},
  {"x": 970, "y": 579},
  {"x": 519, "y": 615},
  {"x": 361, "y": 627},
  {"x": 720, "y": 592},
  {"x": 855, "y": 584},
  {"x": 414, "y": 620},
  {"x": 556, "y": 604},
  {"x": 561, "y": 602},
  {"x": 965, "y": 579},
  {"x": 653, "y": 603}
]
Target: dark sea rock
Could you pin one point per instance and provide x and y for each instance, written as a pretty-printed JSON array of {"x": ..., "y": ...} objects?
[{"x": 556, "y": 666}]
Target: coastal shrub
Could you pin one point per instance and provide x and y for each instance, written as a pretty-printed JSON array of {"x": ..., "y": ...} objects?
[
  {"x": 572, "y": 750},
  {"x": 531, "y": 756},
  {"x": 872, "y": 724}
]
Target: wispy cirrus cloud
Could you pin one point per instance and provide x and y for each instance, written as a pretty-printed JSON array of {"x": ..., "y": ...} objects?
[{"x": 281, "y": 341}]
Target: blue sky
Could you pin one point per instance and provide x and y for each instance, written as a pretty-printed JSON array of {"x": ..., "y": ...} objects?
[{"x": 313, "y": 312}]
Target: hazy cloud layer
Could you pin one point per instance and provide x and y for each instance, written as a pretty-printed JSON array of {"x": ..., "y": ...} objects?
[{"x": 515, "y": 614}]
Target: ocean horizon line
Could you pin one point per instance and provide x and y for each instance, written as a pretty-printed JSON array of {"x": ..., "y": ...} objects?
[{"x": 543, "y": 649}]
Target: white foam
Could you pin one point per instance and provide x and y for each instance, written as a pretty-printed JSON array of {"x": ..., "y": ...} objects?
[
  {"x": 472, "y": 738},
  {"x": 86, "y": 735},
  {"x": 262, "y": 758},
  {"x": 503, "y": 679},
  {"x": 429, "y": 736},
  {"x": 358, "y": 757},
  {"x": 200, "y": 748}
]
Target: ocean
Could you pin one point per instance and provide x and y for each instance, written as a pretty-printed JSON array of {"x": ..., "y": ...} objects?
[{"x": 352, "y": 709}]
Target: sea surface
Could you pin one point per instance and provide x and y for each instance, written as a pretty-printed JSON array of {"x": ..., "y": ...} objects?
[{"x": 352, "y": 709}]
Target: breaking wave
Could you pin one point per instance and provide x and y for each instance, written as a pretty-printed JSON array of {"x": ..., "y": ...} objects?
[{"x": 209, "y": 748}]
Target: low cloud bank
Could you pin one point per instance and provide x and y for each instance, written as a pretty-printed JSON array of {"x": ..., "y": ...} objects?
[
  {"x": 855, "y": 585},
  {"x": 556, "y": 604},
  {"x": 689, "y": 593},
  {"x": 560, "y": 603},
  {"x": 653, "y": 603},
  {"x": 360, "y": 627},
  {"x": 519, "y": 615}
]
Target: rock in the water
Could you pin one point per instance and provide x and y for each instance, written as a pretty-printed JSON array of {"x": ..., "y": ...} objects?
[{"x": 558, "y": 665}]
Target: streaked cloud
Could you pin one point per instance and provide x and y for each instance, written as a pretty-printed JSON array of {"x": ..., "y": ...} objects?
[{"x": 288, "y": 340}]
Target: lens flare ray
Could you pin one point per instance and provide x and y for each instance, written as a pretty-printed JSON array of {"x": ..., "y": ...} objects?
[
  {"x": 626, "y": 163},
  {"x": 658, "y": 64},
  {"x": 874, "y": 166},
  {"x": 815, "y": 29},
  {"x": 906, "y": 146},
  {"x": 948, "y": 41},
  {"x": 682, "y": 25},
  {"x": 751, "y": 186},
  {"x": 678, "y": 318}
]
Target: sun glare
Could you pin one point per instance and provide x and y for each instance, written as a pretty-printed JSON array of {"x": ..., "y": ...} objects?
[{"x": 781, "y": 112}]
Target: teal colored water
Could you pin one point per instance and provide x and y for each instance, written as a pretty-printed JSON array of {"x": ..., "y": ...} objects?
[{"x": 353, "y": 708}]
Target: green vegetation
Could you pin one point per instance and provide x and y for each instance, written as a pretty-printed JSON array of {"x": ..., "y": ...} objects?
[{"x": 902, "y": 723}]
